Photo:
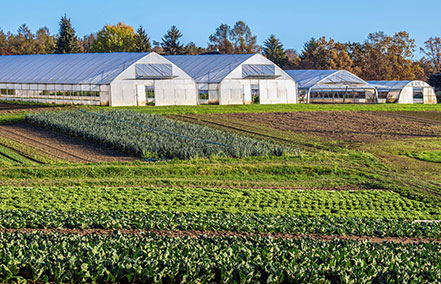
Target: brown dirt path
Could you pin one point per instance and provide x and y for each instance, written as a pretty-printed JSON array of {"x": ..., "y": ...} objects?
[
  {"x": 214, "y": 234},
  {"x": 61, "y": 146}
]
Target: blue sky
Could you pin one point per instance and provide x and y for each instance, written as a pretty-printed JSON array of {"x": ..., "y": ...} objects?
[{"x": 293, "y": 22}]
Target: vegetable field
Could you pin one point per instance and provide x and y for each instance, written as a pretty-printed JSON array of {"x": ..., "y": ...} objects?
[
  {"x": 152, "y": 136},
  {"x": 223, "y": 194},
  {"x": 152, "y": 259}
]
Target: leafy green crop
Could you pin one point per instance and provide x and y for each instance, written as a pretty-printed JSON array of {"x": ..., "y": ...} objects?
[
  {"x": 152, "y": 135},
  {"x": 363, "y": 203},
  {"x": 225, "y": 222},
  {"x": 152, "y": 259},
  {"x": 429, "y": 156}
]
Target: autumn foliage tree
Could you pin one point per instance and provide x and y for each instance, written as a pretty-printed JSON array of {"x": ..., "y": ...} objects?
[
  {"x": 390, "y": 58},
  {"x": 115, "y": 38}
]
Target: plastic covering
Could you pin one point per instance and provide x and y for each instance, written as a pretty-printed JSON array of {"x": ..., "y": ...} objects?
[
  {"x": 325, "y": 79},
  {"x": 208, "y": 68},
  {"x": 386, "y": 86},
  {"x": 84, "y": 68},
  {"x": 146, "y": 71},
  {"x": 258, "y": 70}
]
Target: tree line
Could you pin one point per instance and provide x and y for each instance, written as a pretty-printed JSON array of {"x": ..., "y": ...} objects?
[{"x": 379, "y": 57}]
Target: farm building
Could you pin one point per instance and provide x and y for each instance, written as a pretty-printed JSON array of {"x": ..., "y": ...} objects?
[
  {"x": 332, "y": 86},
  {"x": 404, "y": 92},
  {"x": 115, "y": 79},
  {"x": 237, "y": 79}
]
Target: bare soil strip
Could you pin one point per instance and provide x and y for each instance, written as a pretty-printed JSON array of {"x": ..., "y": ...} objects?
[
  {"x": 215, "y": 234},
  {"x": 14, "y": 108},
  {"x": 61, "y": 146},
  {"x": 344, "y": 126}
]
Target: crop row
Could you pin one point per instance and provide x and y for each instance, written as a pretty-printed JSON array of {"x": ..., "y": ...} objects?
[
  {"x": 363, "y": 203},
  {"x": 153, "y": 136},
  {"x": 153, "y": 259},
  {"x": 225, "y": 222},
  {"x": 12, "y": 158}
]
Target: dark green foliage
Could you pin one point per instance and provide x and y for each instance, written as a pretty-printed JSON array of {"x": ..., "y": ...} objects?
[
  {"x": 148, "y": 258},
  {"x": 67, "y": 41},
  {"x": 223, "y": 222},
  {"x": 274, "y": 51},
  {"x": 152, "y": 135},
  {"x": 170, "y": 42},
  {"x": 142, "y": 41}
]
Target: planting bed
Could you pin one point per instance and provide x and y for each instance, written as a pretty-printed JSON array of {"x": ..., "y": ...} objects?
[
  {"x": 59, "y": 145},
  {"x": 345, "y": 126}
]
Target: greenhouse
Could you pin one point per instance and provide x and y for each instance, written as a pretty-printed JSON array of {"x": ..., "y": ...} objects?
[
  {"x": 115, "y": 79},
  {"x": 332, "y": 86},
  {"x": 404, "y": 92},
  {"x": 237, "y": 79}
]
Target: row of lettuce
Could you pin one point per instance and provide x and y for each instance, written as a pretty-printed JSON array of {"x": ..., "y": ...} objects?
[
  {"x": 148, "y": 258},
  {"x": 153, "y": 136},
  {"x": 219, "y": 222}
]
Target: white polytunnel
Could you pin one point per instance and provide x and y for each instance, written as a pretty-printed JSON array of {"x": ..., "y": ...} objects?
[
  {"x": 115, "y": 79},
  {"x": 237, "y": 79},
  {"x": 405, "y": 92},
  {"x": 332, "y": 86}
]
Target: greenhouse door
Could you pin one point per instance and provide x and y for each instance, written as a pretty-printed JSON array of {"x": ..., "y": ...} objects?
[
  {"x": 150, "y": 95},
  {"x": 246, "y": 94}
]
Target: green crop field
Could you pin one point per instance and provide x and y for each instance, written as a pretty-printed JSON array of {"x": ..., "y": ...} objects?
[{"x": 279, "y": 206}]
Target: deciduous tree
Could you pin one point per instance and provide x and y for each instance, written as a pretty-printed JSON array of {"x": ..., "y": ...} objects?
[
  {"x": 45, "y": 43},
  {"x": 244, "y": 42},
  {"x": 390, "y": 58},
  {"x": 115, "y": 38},
  {"x": 220, "y": 40},
  {"x": 432, "y": 52}
]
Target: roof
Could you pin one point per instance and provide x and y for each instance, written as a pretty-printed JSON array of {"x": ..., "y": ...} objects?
[
  {"x": 307, "y": 79},
  {"x": 78, "y": 68},
  {"x": 208, "y": 68},
  {"x": 389, "y": 85}
]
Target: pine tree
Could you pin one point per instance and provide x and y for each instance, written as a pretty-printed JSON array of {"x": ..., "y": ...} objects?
[
  {"x": 274, "y": 51},
  {"x": 142, "y": 41},
  {"x": 170, "y": 42},
  {"x": 67, "y": 41}
]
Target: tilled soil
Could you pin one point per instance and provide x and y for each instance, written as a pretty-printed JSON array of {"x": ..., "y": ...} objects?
[
  {"x": 59, "y": 145},
  {"x": 348, "y": 126},
  {"x": 14, "y": 108},
  {"x": 216, "y": 234}
]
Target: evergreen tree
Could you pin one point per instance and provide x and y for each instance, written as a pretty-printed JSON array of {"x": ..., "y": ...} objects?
[
  {"x": 274, "y": 51},
  {"x": 170, "y": 42},
  {"x": 67, "y": 41},
  {"x": 142, "y": 41}
]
